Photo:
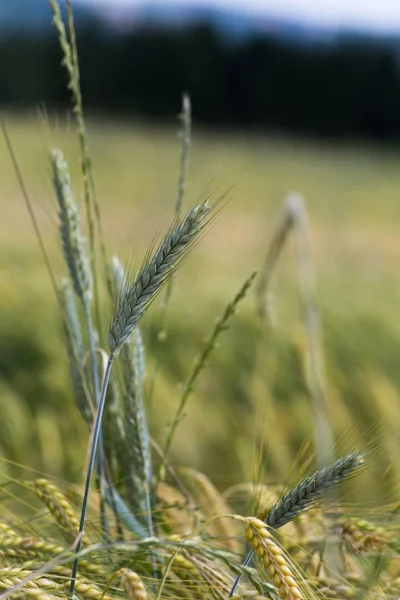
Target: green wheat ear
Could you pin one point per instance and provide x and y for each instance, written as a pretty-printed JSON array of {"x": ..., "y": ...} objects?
[
  {"x": 71, "y": 237},
  {"x": 134, "y": 298},
  {"x": 307, "y": 494}
]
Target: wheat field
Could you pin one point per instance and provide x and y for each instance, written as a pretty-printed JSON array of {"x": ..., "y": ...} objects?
[{"x": 351, "y": 193}]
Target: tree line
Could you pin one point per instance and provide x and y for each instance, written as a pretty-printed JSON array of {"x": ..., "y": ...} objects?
[{"x": 343, "y": 89}]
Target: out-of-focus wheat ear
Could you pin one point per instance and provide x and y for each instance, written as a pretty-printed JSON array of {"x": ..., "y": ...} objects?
[
  {"x": 273, "y": 560},
  {"x": 221, "y": 325},
  {"x": 7, "y": 529},
  {"x": 307, "y": 493},
  {"x": 294, "y": 220},
  {"x": 125, "y": 514},
  {"x": 362, "y": 536},
  {"x": 314, "y": 359},
  {"x": 88, "y": 590},
  {"x": 59, "y": 507},
  {"x": 185, "y": 135},
  {"x": 137, "y": 435},
  {"x": 211, "y": 503},
  {"x": 276, "y": 244},
  {"x": 173, "y": 511},
  {"x": 117, "y": 274},
  {"x": 136, "y": 297},
  {"x": 75, "y": 352},
  {"x": 11, "y": 576},
  {"x": 136, "y": 432},
  {"x": 133, "y": 585},
  {"x": 72, "y": 240},
  {"x": 27, "y": 547}
]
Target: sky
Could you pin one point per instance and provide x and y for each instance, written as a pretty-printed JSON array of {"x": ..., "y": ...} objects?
[{"x": 380, "y": 16}]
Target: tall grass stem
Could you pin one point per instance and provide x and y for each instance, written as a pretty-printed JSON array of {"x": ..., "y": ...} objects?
[{"x": 94, "y": 444}]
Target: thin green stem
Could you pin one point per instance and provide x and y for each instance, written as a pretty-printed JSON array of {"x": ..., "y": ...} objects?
[
  {"x": 100, "y": 456},
  {"x": 95, "y": 440},
  {"x": 220, "y": 326}
]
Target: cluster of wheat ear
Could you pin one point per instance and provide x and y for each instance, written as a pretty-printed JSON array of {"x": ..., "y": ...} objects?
[
  {"x": 149, "y": 530},
  {"x": 194, "y": 556}
]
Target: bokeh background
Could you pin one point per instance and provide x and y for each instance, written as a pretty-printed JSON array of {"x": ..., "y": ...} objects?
[{"x": 285, "y": 96}]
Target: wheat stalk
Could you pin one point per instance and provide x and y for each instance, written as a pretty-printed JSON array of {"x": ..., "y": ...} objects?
[
  {"x": 133, "y": 300},
  {"x": 79, "y": 268},
  {"x": 71, "y": 64},
  {"x": 294, "y": 219}
]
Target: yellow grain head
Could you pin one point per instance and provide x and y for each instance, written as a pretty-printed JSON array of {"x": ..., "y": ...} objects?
[
  {"x": 133, "y": 585},
  {"x": 273, "y": 559}
]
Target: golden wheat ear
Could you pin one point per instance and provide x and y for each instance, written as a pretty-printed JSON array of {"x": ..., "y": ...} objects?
[{"x": 273, "y": 560}]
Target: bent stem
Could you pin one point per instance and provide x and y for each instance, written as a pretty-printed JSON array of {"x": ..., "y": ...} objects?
[
  {"x": 323, "y": 434},
  {"x": 100, "y": 457},
  {"x": 95, "y": 440}
]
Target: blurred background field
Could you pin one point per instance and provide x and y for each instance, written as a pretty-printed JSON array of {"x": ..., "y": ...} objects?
[
  {"x": 253, "y": 393},
  {"x": 275, "y": 110}
]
